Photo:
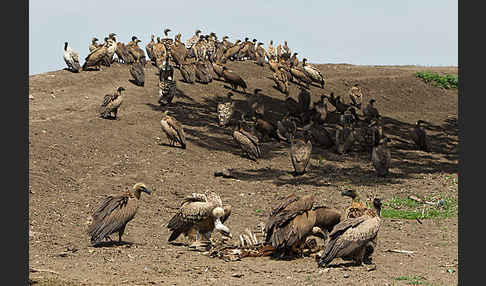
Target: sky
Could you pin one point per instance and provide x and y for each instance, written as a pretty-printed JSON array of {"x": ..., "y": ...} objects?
[{"x": 377, "y": 32}]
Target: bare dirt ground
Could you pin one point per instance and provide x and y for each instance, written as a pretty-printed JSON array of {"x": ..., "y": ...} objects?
[{"x": 77, "y": 158}]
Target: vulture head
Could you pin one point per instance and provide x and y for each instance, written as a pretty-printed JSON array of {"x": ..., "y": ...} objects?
[
  {"x": 218, "y": 214},
  {"x": 225, "y": 37},
  {"x": 246, "y": 39},
  {"x": 65, "y": 45},
  {"x": 377, "y": 204},
  {"x": 134, "y": 38},
  {"x": 254, "y": 40},
  {"x": 120, "y": 89},
  {"x": 197, "y": 32},
  {"x": 372, "y": 101},
  {"x": 166, "y": 31},
  {"x": 140, "y": 187},
  {"x": 271, "y": 42}
]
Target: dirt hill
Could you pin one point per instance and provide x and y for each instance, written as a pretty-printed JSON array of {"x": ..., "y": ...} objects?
[{"x": 77, "y": 158}]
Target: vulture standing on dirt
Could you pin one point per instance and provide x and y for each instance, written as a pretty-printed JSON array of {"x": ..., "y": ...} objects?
[
  {"x": 281, "y": 81},
  {"x": 356, "y": 95},
  {"x": 200, "y": 213},
  {"x": 111, "y": 49},
  {"x": 231, "y": 52},
  {"x": 97, "y": 56},
  {"x": 370, "y": 112},
  {"x": 191, "y": 41},
  {"x": 71, "y": 58},
  {"x": 286, "y": 128},
  {"x": 225, "y": 111},
  {"x": 351, "y": 236},
  {"x": 188, "y": 72},
  {"x": 123, "y": 53},
  {"x": 111, "y": 103},
  {"x": 255, "y": 103},
  {"x": 270, "y": 53},
  {"x": 114, "y": 212},
  {"x": 260, "y": 54},
  {"x": 138, "y": 73},
  {"x": 249, "y": 143},
  {"x": 313, "y": 73},
  {"x": 160, "y": 52},
  {"x": 137, "y": 53},
  {"x": 300, "y": 152},
  {"x": 265, "y": 128},
  {"x": 149, "y": 49},
  {"x": 173, "y": 130},
  {"x": 300, "y": 76},
  {"x": 381, "y": 157},
  {"x": 293, "y": 220},
  {"x": 202, "y": 72},
  {"x": 234, "y": 79},
  {"x": 294, "y": 62},
  {"x": 419, "y": 136},
  {"x": 320, "y": 110}
]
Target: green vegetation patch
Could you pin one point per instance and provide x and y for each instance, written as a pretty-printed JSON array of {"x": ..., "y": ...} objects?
[
  {"x": 444, "y": 81},
  {"x": 406, "y": 208},
  {"x": 411, "y": 280}
]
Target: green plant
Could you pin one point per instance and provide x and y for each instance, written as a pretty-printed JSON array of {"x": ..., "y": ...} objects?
[
  {"x": 405, "y": 208},
  {"x": 412, "y": 280},
  {"x": 444, "y": 81}
]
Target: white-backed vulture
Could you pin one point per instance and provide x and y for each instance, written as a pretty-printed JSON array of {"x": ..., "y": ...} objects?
[
  {"x": 300, "y": 75},
  {"x": 123, "y": 53},
  {"x": 138, "y": 73},
  {"x": 111, "y": 49},
  {"x": 344, "y": 138},
  {"x": 137, "y": 53},
  {"x": 249, "y": 143},
  {"x": 356, "y": 95},
  {"x": 225, "y": 110},
  {"x": 233, "y": 79},
  {"x": 270, "y": 52},
  {"x": 173, "y": 130},
  {"x": 351, "y": 236},
  {"x": 313, "y": 73},
  {"x": 381, "y": 157},
  {"x": 111, "y": 103},
  {"x": 320, "y": 110},
  {"x": 191, "y": 41},
  {"x": 300, "y": 152},
  {"x": 293, "y": 220},
  {"x": 419, "y": 136},
  {"x": 230, "y": 52},
  {"x": 281, "y": 81},
  {"x": 286, "y": 50},
  {"x": 294, "y": 62},
  {"x": 202, "y": 72},
  {"x": 71, "y": 58},
  {"x": 160, "y": 53},
  {"x": 114, "y": 213},
  {"x": 149, "y": 49},
  {"x": 200, "y": 213}
]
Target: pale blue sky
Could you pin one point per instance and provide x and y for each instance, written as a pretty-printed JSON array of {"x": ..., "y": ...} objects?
[{"x": 377, "y": 32}]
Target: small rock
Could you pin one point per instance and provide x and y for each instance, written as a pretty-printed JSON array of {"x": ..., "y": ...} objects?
[
  {"x": 237, "y": 275},
  {"x": 346, "y": 275},
  {"x": 86, "y": 97},
  {"x": 31, "y": 96}
]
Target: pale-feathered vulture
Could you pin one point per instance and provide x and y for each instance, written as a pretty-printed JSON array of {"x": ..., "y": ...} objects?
[
  {"x": 279, "y": 51},
  {"x": 300, "y": 75},
  {"x": 351, "y": 236},
  {"x": 202, "y": 72},
  {"x": 191, "y": 41},
  {"x": 111, "y": 103},
  {"x": 260, "y": 54},
  {"x": 218, "y": 69},
  {"x": 71, "y": 58},
  {"x": 231, "y": 52},
  {"x": 138, "y": 73},
  {"x": 281, "y": 81},
  {"x": 293, "y": 220},
  {"x": 114, "y": 213},
  {"x": 249, "y": 143},
  {"x": 381, "y": 157},
  {"x": 225, "y": 110},
  {"x": 419, "y": 136},
  {"x": 94, "y": 44},
  {"x": 96, "y": 57},
  {"x": 149, "y": 49},
  {"x": 356, "y": 95},
  {"x": 370, "y": 112},
  {"x": 300, "y": 152},
  {"x": 200, "y": 213},
  {"x": 270, "y": 52},
  {"x": 286, "y": 128},
  {"x": 111, "y": 49},
  {"x": 320, "y": 110},
  {"x": 313, "y": 73},
  {"x": 344, "y": 138},
  {"x": 286, "y": 50},
  {"x": 173, "y": 130},
  {"x": 234, "y": 79}
]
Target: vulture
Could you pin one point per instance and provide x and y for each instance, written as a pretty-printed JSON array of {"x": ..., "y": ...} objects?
[
  {"x": 137, "y": 53},
  {"x": 313, "y": 73},
  {"x": 123, "y": 53},
  {"x": 270, "y": 53},
  {"x": 265, "y": 127},
  {"x": 286, "y": 128},
  {"x": 173, "y": 130},
  {"x": 111, "y": 103},
  {"x": 300, "y": 152},
  {"x": 71, "y": 58},
  {"x": 304, "y": 97},
  {"x": 281, "y": 81},
  {"x": 419, "y": 136},
  {"x": 370, "y": 112},
  {"x": 167, "y": 41},
  {"x": 149, "y": 49},
  {"x": 94, "y": 44},
  {"x": 200, "y": 215},
  {"x": 255, "y": 103},
  {"x": 286, "y": 50},
  {"x": 260, "y": 54},
  {"x": 202, "y": 72},
  {"x": 279, "y": 51},
  {"x": 218, "y": 69},
  {"x": 273, "y": 64},
  {"x": 225, "y": 43},
  {"x": 178, "y": 52},
  {"x": 301, "y": 76},
  {"x": 293, "y": 107},
  {"x": 294, "y": 62},
  {"x": 233, "y": 79},
  {"x": 249, "y": 143},
  {"x": 96, "y": 57},
  {"x": 336, "y": 101},
  {"x": 231, "y": 52},
  {"x": 159, "y": 52},
  {"x": 368, "y": 136},
  {"x": 320, "y": 110},
  {"x": 381, "y": 157},
  {"x": 322, "y": 136},
  {"x": 210, "y": 68},
  {"x": 293, "y": 220},
  {"x": 351, "y": 237},
  {"x": 111, "y": 49},
  {"x": 225, "y": 110},
  {"x": 191, "y": 41},
  {"x": 138, "y": 73},
  {"x": 344, "y": 138},
  {"x": 114, "y": 213},
  {"x": 187, "y": 72},
  {"x": 356, "y": 95}
]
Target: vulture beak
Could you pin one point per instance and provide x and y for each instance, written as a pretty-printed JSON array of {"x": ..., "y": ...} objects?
[
  {"x": 219, "y": 226},
  {"x": 317, "y": 231},
  {"x": 148, "y": 191}
]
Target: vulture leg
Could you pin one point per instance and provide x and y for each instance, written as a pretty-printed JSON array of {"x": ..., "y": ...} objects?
[
  {"x": 120, "y": 233},
  {"x": 359, "y": 256}
]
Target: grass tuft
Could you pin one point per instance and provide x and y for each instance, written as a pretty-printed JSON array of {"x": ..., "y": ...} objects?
[
  {"x": 405, "y": 208},
  {"x": 444, "y": 81}
]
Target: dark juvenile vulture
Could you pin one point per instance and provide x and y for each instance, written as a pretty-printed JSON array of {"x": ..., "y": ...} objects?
[
  {"x": 344, "y": 138},
  {"x": 231, "y": 52},
  {"x": 286, "y": 128},
  {"x": 265, "y": 128},
  {"x": 255, "y": 103},
  {"x": 369, "y": 135},
  {"x": 200, "y": 214},
  {"x": 370, "y": 112},
  {"x": 113, "y": 214},
  {"x": 111, "y": 103},
  {"x": 138, "y": 73},
  {"x": 322, "y": 136},
  {"x": 225, "y": 110},
  {"x": 294, "y": 62},
  {"x": 419, "y": 136},
  {"x": 234, "y": 79},
  {"x": 320, "y": 110},
  {"x": 149, "y": 49},
  {"x": 96, "y": 57},
  {"x": 178, "y": 52},
  {"x": 293, "y": 220},
  {"x": 300, "y": 152},
  {"x": 270, "y": 52},
  {"x": 350, "y": 237},
  {"x": 173, "y": 130},
  {"x": 71, "y": 58},
  {"x": 304, "y": 97},
  {"x": 188, "y": 72},
  {"x": 249, "y": 143},
  {"x": 123, "y": 53},
  {"x": 137, "y": 53},
  {"x": 313, "y": 73},
  {"x": 202, "y": 72},
  {"x": 381, "y": 157}
]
